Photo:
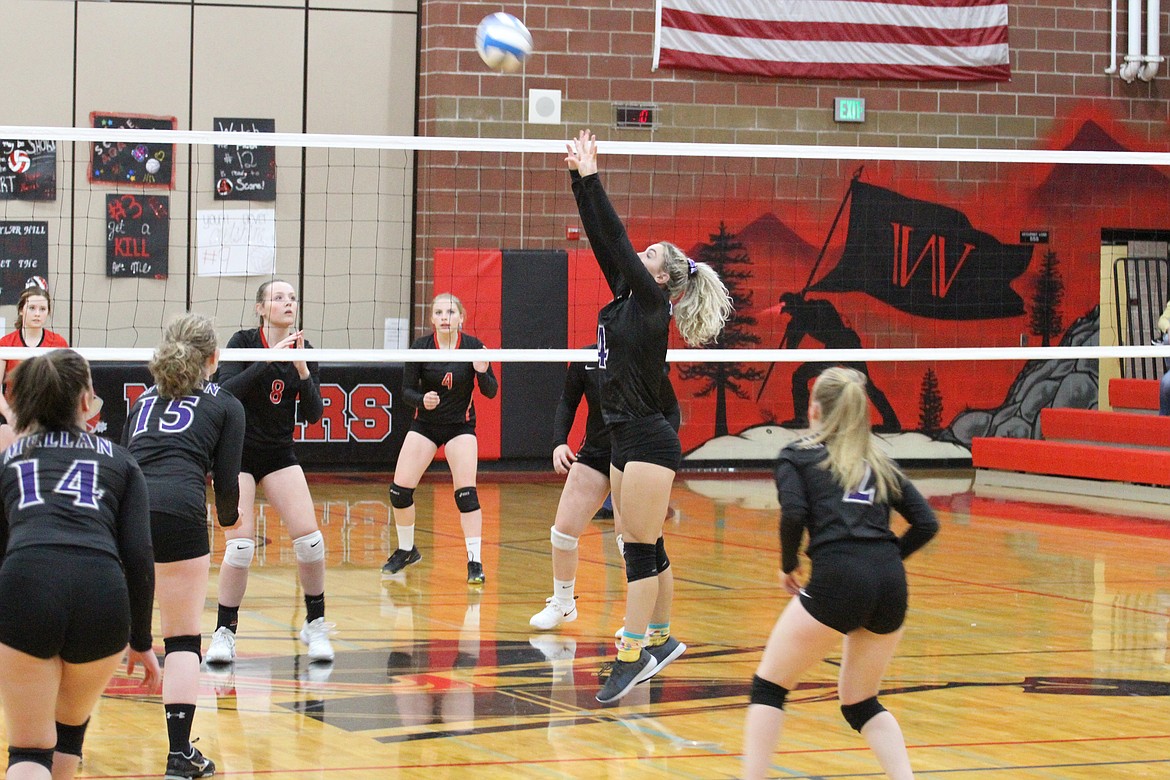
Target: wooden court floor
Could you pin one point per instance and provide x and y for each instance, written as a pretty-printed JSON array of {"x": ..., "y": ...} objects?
[{"x": 1036, "y": 649}]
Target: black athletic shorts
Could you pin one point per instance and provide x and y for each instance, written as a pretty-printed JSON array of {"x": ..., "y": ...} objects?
[
  {"x": 645, "y": 440},
  {"x": 178, "y": 539},
  {"x": 857, "y": 583},
  {"x": 260, "y": 462},
  {"x": 595, "y": 458},
  {"x": 62, "y": 601},
  {"x": 441, "y": 433}
]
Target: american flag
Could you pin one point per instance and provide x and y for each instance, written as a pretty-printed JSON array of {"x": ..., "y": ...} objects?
[{"x": 919, "y": 40}]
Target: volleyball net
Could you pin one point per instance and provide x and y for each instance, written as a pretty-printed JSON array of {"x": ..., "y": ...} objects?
[{"x": 959, "y": 279}]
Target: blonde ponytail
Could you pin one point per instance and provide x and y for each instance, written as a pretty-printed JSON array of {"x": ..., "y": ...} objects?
[{"x": 705, "y": 304}]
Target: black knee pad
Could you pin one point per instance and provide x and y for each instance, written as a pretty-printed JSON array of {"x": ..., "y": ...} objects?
[
  {"x": 187, "y": 643},
  {"x": 70, "y": 738},
  {"x": 859, "y": 714},
  {"x": 641, "y": 561},
  {"x": 42, "y": 756},
  {"x": 767, "y": 693},
  {"x": 400, "y": 497},
  {"x": 467, "y": 499},
  {"x": 660, "y": 558}
]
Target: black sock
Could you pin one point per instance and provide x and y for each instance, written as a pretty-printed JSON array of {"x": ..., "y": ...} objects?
[
  {"x": 179, "y": 717},
  {"x": 228, "y": 617},
  {"x": 314, "y": 607}
]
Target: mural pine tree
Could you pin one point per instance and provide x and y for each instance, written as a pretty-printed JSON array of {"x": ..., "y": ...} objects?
[
  {"x": 1046, "y": 321},
  {"x": 930, "y": 405},
  {"x": 729, "y": 258}
]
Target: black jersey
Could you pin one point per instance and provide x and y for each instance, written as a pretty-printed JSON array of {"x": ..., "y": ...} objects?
[
  {"x": 810, "y": 498},
  {"x": 633, "y": 328},
  {"x": 178, "y": 441},
  {"x": 270, "y": 392},
  {"x": 585, "y": 380},
  {"x": 67, "y": 489},
  {"x": 453, "y": 381}
]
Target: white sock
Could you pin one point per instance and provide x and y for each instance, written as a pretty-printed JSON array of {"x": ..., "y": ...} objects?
[
  {"x": 473, "y": 544},
  {"x": 405, "y": 536},
  {"x": 563, "y": 591},
  {"x": 621, "y": 543}
]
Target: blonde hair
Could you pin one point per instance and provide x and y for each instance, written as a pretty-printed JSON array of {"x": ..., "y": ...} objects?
[
  {"x": 178, "y": 362},
  {"x": 705, "y": 304},
  {"x": 458, "y": 303},
  {"x": 844, "y": 430}
]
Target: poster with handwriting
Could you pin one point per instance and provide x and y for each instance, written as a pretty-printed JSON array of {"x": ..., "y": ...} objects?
[
  {"x": 245, "y": 172},
  {"x": 149, "y": 163},
  {"x": 236, "y": 242},
  {"x": 28, "y": 170},
  {"x": 24, "y": 252},
  {"x": 137, "y": 235}
]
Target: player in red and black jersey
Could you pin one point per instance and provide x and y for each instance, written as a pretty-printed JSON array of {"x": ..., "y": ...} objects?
[
  {"x": 275, "y": 394},
  {"x": 180, "y": 429},
  {"x": 77, "y": 579},
  {"x": 441, "y": 393},
  {"x": 649, "y": 287},
  {"x": 32, "y": 315}
]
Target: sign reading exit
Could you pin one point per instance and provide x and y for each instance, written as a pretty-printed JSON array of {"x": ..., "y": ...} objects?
[{"x": 849, "y": 109}]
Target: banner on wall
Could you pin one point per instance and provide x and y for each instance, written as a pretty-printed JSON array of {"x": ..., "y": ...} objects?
[
  {"x": 245, "y": 172},
  {"x": 28, "y": 170},
  {"x": 361, "y": 429},
  {"x": 925, "y": 259},
  {"x": 137, "y": 236},
  {"x": 236, "y": 242},
  {"x": 24, "y": 253},
  {"x": 148, "y": 163}
]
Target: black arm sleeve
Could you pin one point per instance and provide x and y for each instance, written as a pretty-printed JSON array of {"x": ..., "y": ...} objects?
[
  {"x": 488, "y": 384},
  {"x": 793, "y": 513},
  {"x": 922, "y": 520},
  {"x": 311, "y": 406},
  {"x": 238, "y": 378},
  {"x": 134, "y": 548},
  {"x": 568, "y": 404},
  {"x": 668, "y": 403},
  {"x": 410, "y": 376},
  {"x": 226, "y": 469},
  {"x": 611, "y": 246}
]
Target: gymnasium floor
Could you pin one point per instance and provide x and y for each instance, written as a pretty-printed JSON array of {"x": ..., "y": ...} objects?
[{"x": 1036, "y": 649}]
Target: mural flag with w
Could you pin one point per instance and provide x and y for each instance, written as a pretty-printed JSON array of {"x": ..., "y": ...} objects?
[{"x": 925, "y": 259}]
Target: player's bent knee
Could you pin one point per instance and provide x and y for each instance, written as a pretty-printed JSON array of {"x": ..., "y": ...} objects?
[
  {"x": 860, "y": 713},
  {"x": 467, "y": 499},
  {"x": 563, "y": 541},
  {"x": 238, "y": 553},
  {"x": 641, "y": 561},
  {"x": 767, "y": 693},
  {"x": 310, "y": 548},
  {"x": 401, "y": 497},
  {"x": 660, "y": 559},
  {"x": 186, "y": 643},
  {"x": 22, "y": 755},
  {"x": 71, "y": 738}
]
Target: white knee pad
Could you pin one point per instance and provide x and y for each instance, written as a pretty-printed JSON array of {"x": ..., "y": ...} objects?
[
  {"x": 239, "y": 552},
  {"x": 310, "y": 548},
  {"x": 563, "y": 541}
]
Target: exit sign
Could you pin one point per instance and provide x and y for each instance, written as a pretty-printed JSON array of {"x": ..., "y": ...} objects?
[{"x": 849, "y": 109}]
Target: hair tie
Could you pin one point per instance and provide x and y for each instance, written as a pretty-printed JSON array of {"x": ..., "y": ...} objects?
[{"x": 692, "y": 267}]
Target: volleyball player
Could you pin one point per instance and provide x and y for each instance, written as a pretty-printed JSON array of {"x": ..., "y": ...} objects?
[
  {"x": 632, "y": 334},
  {"x": 33, "y": 310},
  {"x": 179, "y": 430},
  {"x": 440, "y": 391},
  {"x": 77, "y": 579},
  {"x": 273, "y": 393},
  {"x": 840, "y": 487},
  {"x": 587, "y": 483}
]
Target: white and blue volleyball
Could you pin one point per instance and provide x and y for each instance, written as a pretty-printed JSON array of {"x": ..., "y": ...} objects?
[{"x": 503, "y": 42}]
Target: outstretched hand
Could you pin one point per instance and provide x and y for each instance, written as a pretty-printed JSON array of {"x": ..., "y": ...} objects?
[{"x": 582, "y": 156}]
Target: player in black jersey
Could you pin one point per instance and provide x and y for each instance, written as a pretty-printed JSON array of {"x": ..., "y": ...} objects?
[
  {"x": 179, "y": 430},
  {"x": 440, "y": 391},
  {"x": 77, "y": 579},
  {"x": 837, "y": 485},
  {"x": 649, "y": 288},
  {"x": 274, "y": 394},
  {"x": 587, "y": 483}
]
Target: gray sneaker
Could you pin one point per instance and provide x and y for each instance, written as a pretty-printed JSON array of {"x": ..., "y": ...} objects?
[
  {"x": 664, "y": 654},
  {"x": 625, "y": 675}
]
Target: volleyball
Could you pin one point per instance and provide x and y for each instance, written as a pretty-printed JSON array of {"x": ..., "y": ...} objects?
[{"x": 503, "y": 42}]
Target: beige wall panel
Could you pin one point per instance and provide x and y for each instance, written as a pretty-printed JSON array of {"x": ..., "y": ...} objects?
[{"x": 38, "y": 67}]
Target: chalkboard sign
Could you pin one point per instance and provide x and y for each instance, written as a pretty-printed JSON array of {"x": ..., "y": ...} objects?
[
  {"x": 245, "y": 172},
  {"x": 28, "y": 170},
  {"x": 24, "y": 252},
  {"x": 128, "y": 162},
  {"x": 137, "y": 235}
]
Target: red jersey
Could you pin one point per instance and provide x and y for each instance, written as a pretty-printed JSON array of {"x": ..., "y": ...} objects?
[{"x": 16, "y": 339}]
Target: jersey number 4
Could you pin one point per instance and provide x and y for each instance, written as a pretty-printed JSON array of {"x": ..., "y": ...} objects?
[{"x": 80, "y": 482}]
